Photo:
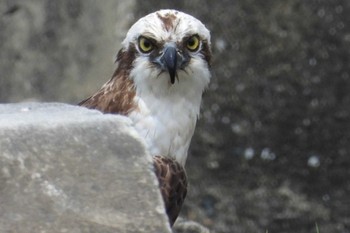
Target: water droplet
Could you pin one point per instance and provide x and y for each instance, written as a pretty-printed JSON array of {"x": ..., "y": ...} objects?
[
  {"x": 314, "y": 161},
  {"x": 215, "y": 107},
  {"x": 213, "y": 86},
  {"x": 213, "y": 165},
  {"x": 306, "y": 122},
  {"x": 208, "y": 116},
  {"x": 332, "y": 31},
  {"x": 236, "y": 128},
  {"x": 298, "y": 131},
  {"x": 249, "y": 153},
  {"x": 225, "y": 120},
  {"x": 240, "y": 87},
  {"x": 339, "y": 9},
  {"x": 340, "y": 25},
  {"x": 326, "y": 197},
  {"x": 314, "y": 103},
  {"x": 316, "y": 79},
  {"x": 321, "y": 13},
  {"x": 312, "y": 61},
  {"x": 267, "y": 154},
  {"x": 220, "y": 44}
]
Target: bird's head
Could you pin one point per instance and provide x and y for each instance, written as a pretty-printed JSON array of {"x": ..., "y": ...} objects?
[{"x": 168, "y": 48}]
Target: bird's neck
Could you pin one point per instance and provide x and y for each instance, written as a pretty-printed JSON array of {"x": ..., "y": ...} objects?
[{"x": 166, "y": 117}]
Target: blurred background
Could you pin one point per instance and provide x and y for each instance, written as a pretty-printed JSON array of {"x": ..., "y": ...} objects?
[{"x": 271, "y": 152}]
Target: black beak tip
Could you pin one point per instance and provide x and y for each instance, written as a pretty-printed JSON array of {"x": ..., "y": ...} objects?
[
  {"x": 170, "y": 60},
  {"x": 172, "y": 76}
]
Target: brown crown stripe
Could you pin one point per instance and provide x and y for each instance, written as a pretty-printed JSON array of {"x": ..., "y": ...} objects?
[{"x": 168, "y": 20}]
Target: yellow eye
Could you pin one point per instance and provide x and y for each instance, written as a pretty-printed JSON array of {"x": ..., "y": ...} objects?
[
  {"x": 145, "y": 45},
  {"x": 192, "y": 43}
]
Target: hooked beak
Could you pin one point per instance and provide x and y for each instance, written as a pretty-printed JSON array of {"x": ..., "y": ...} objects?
[{"x": 171, "y": 60}]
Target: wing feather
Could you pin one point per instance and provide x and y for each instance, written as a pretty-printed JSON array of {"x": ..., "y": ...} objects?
[
  {"x": 117, "y": 95},
  {"x": 173, "y": 184}
]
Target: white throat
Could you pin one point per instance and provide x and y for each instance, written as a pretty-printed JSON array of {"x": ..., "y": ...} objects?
[{"x": 166, "y": 113}]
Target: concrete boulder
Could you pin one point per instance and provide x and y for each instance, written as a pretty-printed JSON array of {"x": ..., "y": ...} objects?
[{"x": 69, "y": 169}]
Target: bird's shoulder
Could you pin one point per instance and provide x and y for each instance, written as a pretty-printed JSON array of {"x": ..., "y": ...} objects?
[{"x": 116, "y": 96}]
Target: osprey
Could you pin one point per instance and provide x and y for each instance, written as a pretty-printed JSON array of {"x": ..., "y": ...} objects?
[{"x": 162, "y": 71}]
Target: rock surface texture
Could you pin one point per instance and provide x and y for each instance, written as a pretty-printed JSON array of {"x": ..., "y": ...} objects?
[{"x": 69, "y": 169}]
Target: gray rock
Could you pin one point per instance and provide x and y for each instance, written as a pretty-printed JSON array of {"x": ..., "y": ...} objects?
[
  {"x": 53, "y": 47},
  {"x": 69, "y": 169},
  {"x": 185, "y": 226}
]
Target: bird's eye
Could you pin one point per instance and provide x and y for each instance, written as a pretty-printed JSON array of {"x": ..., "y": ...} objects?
[
  {"x": 192, "y": 43},
  {"x": 145, "y": 45}
]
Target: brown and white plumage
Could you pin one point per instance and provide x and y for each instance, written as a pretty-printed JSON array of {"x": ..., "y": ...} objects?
[
  {"x": 173, "y": 184},
  {"x": 162, "y": 71}
]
